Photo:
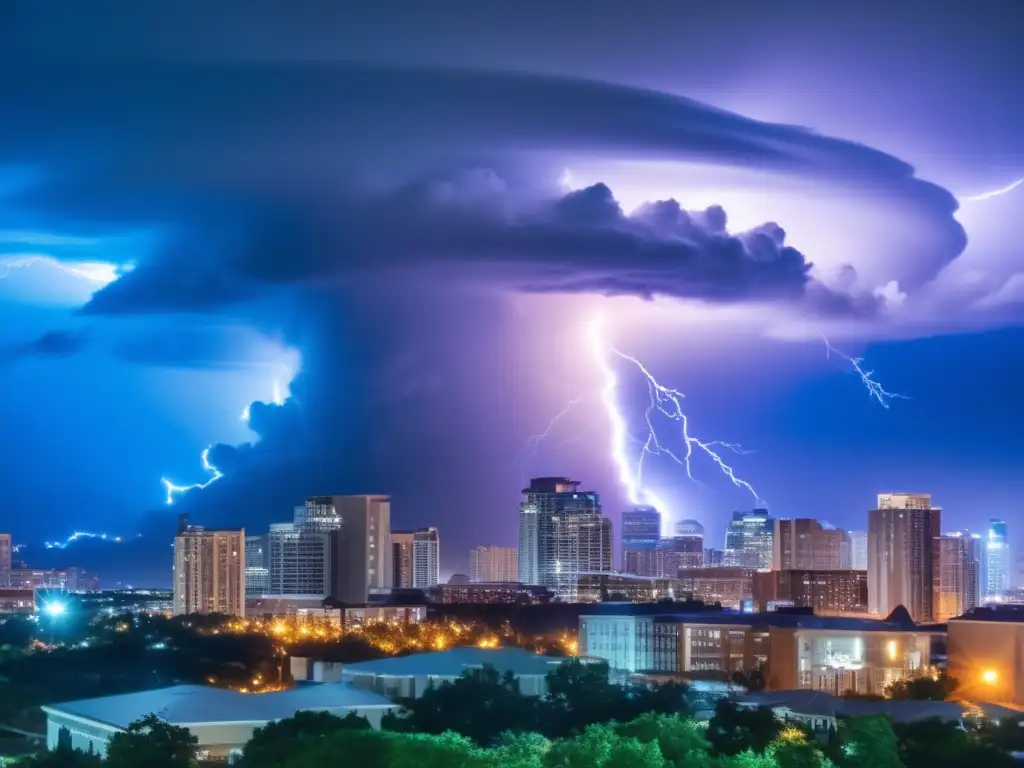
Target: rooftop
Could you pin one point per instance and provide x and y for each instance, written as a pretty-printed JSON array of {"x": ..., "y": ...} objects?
[
  {"x": 819, "y": 703},
  {"x": 454, "y": 662},
  {"x": 191, "y": 704}
]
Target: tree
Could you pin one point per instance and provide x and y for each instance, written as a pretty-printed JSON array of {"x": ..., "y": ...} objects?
[
  {"x": 681, "y": 741},
  {"x": 152, "y": 743},
  {"x": 868, "y": 742},
  {"x": 939, "y": 688},
  {"x": 599, "y": 746},
  {"x": 935, "y": 743},
  {"x": 520, "y": 750},
  {"x": 480, "y": 705},
  {"x": 63, "y": 757},
  {"x": 796, "y": 749},
  {"x": 274, "y": 742},
  {"x": 734, "y": 729}
]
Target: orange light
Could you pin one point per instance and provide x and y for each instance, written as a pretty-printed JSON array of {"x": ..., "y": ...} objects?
[
  {"x": 892, "y": 650},
  {"x": 989, "y": 677}
]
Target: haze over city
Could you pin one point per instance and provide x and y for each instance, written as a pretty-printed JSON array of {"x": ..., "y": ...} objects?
[{"x": 434, "y": 252}]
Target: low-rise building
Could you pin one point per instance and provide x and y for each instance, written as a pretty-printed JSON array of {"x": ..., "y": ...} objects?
[
  {"x": 985, "y": 651},
  {"x": 222, "y": 720},
  {"x": 798, "y": 650},
  {"x": 619, "y": 587},
  {"x": 409, "y": 676},
  {"x": 826, "y": 592},
  {"x": 490, "y": 592},
  {"x": 17, "y": 600},
  {"x": 726, "y": 585}
]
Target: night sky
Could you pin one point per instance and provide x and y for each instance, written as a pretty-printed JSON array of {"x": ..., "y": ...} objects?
[{"x": 389, "y": 231}]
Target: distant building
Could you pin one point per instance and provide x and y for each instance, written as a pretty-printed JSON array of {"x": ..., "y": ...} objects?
[
  {"x": 257, "y": 573},
  {"x": 509, "y": 592},
  {"x": 959, "y": 575},
  {"x": 858, "y": 541},
  {"x": 983, "y": 649},
  {"x": 17, "y": 600},
  {"x": 713, "y": 558},
  {"x": 299, "y": 561},
  {"x": 997, "y": 559},
  {"x": 459, "y": 579},
  {"x": 361, "y": 548},
  {"x": 641, "y": 534},
  {"x": 209, "y": 571},
  {"x": 5, "y": 559},
  {"x": 71, "y": 579},
  {"x": 727, "y": 585},
  {"x": 685, "y": 549},
  {"x": 318, "y": 515},
  {"x": 748, "y": 540},
  {"x": 493, "y": 564},
  {"x": 401, "y": 559},
  {"x": 903, "y": 542},
  {"x": 561, "y": 534},
  {"x": 623, "y": 587},
  {"x": 803, "y": 544},
  {"x": 833, "y": 592},
  {"x": 415, "y": 557}
]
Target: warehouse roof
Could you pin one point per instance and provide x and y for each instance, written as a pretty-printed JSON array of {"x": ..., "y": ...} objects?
[
  {"x": 821, "y": 704},
  {"x": 454, "y": 662},
  {"x": 193, "y": 704}
]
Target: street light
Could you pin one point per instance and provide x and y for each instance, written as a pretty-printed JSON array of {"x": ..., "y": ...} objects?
[
  {"x": 989, "y": 677},
  {"x": 55, "y": 608}
]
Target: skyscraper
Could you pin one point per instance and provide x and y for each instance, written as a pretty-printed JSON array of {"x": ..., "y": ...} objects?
[
  {"x": 561, "y": 534},
  {"x": 903, "y": 546},
  {"x": 298, "y": 560},
  {"x": 997, "y": 559},
  {"x": 257, "y": 573},
  {"x": 959, "y": 574},
  {"x": 209, "y": 571},
  {"x": 426, "y": 558},
  {"x": 5, "y": 559},
  {"x": 858, "y": 542},
  {"x": 493, "y": 564},
  {"x": 641, "y": 533},
  {"x": 748, "y": 540},
  {"x": 318, "y": 515},
  {"x": 805, "y": 544},
  {"x": 361, "y": 547},
  {"x": 401, "y": 559}
]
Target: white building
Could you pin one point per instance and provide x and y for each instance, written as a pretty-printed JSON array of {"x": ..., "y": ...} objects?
[
  {"x": 493, "y": 564},
  {"x": 426, "y": 558},
  {"x": 997, "y": 560},
  {"x": 858, "y": 550},
  {"x": 222, "y": 720},
  {"x": 209, "y": 571}
]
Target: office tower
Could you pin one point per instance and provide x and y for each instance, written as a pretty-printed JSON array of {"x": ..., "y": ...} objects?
[
  {"x": 683, "y": 550},
  {"x": 561, "y": 533},
  {"x": 361, "y": 547},
  {"x": 903, "y": 541},
  {"x": 299, "y": 561},
  {"x": 997, "y": 559},
  {"x": 318, "y": 515},
  {"x": 493, "y": 564},
  {"x": 641, "y": 533},
  {"x": 401, "y": 559},
  {"x": 959, "y": 574},
  {"x": 858, "y": 543},
  {"x": 713, "y": 558},
  {"x": 5, "y": 559},
  {"x": 748, "y": 540},
  {"x": 826, "y": 592},
  {"x": 426, "y": 558},
  {"x": 257, "y": 574},
  {"x": 806, "y": 545},
  {"x": 209, "y": 571}
]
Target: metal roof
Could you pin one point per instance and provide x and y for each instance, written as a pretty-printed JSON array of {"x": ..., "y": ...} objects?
[
  {"x": 453, "y": 662},
  {"x": 195, "y": 704}
]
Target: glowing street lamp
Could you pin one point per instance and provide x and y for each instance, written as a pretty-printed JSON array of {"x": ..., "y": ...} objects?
[
  {"x": 989, "y": 677},
  {"x": 55, "y": 608}
]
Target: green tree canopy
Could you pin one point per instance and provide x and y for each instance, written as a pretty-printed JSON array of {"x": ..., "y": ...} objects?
[
  {"x": 734, "y": 729},
  {"x": 935, "y": 743},
  {"x": 152, "y": 743},
  {"x": 868, "y": 742},
  {"x": 939, "y": 688},
  {"x": 273, "y": 743}
]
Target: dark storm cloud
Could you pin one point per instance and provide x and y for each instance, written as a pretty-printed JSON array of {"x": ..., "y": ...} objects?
[
  {"x": 50, "y": 344},
  {"x": 269, "y": 170}
]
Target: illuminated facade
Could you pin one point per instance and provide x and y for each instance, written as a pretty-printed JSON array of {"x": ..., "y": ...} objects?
[
  {"x": 725, "y": 585},
  {"x": 826, "y": 592},
  {"x": 209, "y": 571},
  {"x": 5, "y": 559},
  {"x": 858, "y": 543},
  {"x": 299, "y": 561},
  {"x": 958, "y": 588},
  {"x": 806, "y": 545},
  {"x": 834, "y": 654},
  {"x": 903, "y": 550},
  {"x": 623, "y": 587},
  {"x": 641, "y": 533},
  {"x": 983, "y": 649},
  {"x": 257, "y": 574},
  {"x": 415, "y": 558},
  {"x": 748, "y": 540},
  {"x": 997, "y": 560}
]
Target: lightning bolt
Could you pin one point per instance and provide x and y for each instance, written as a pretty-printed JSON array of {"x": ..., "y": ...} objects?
[
  {"x": 534, "y": 441},
  {"x": 80, "y": 535},
  {"x": 665, "y": 401},
  {"x": 97, "y": 272},
  {"x": 993, "y": 193},
  {"x": 277, "y": 398},
  {"x": 875, "y": 389},
  {"x": 215, "y": 475}
]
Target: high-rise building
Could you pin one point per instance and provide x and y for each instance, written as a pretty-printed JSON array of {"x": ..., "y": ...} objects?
[
  {"x": 361, "y": 547},
  {"x": 826, "y": 592},
  {"x": 298, "y": 560},
  {"x": 713, "y": 558},
  {"x": 209, "y": 571},
  {"x": 959, "y": 574},
  {"x": 997, "y": 559},
  {"x": 683, "y": 550},
  {"x": 5, "y": 559},
  {"x": 748, "y": 540},
  {"x": 641, "y": 533},
  {"x": 257, "y": 573},
  {"x": 401, "y": 559},
  {"x": 493, "y": 564},
  {"x": 903, "y": 544},
  {"x": 804, "y": 544},
  {"x": 426, "y": 558},
  {"x": 858, "y": 542},
  {"x": 318, "y": 515},
  {"x": 561, "y": 534}
]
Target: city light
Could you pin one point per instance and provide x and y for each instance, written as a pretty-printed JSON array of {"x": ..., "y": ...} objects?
[
  {"x": 55, "y": 608},
  {"x": 989, "y": 677},
  {"x": 893, "y": 650}
]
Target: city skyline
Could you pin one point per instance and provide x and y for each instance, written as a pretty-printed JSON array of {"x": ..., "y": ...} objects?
[{"x": 467, "y": 248}]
